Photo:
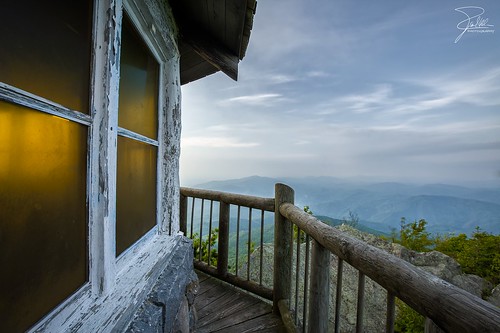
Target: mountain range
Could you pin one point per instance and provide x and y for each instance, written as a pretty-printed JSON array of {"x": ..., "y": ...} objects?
[{"x": 380, "y": 206}]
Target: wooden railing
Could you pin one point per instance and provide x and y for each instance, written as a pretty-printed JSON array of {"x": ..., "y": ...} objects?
[
  {"x": 446, "y": 307},
  {"x": 225, "y": 201}
]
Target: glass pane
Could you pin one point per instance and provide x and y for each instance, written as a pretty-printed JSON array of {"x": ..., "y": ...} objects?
[
  {"x": 138, "y": 108},
  {"x": 43, "y": 228},
  {"x": 46, "y": 49},
  {"x": 135, "y": 192}
]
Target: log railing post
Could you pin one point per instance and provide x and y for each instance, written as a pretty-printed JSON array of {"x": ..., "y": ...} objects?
[
  {"x": 183, "y": 215},
  {"x": 282, "y": 273},
  {"x": 223, "y": 247},
  {"x": 319, "y": 290}
]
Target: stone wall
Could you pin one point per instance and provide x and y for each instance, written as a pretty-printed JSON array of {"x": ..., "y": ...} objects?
[{"x": 169, "y": 305}]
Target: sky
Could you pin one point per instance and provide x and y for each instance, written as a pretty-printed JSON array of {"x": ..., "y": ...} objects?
[{"x": 372, "y": 90}]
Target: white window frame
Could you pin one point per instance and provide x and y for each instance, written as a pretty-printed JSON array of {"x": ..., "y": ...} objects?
[
  {"x": 115, "y": 283},
  {"x": 105, "y": 129}
]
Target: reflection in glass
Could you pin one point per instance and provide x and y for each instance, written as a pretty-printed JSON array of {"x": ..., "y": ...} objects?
[
  {"x": 43, "y": 228},
  {"x": 138, "y": 104},
  {"x": 136, "y": 191},
  {"x": 45, "y": 49}
]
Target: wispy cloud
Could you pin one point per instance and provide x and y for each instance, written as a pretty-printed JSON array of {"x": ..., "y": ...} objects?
[
  {"x": 279, "y": 78},
  {"x": 262, "y": 100},
  {"x": 430, "y": 94},
  {"x": 318, "y": 74},
  {"x": 479, "y": 88},
  {"x": 216, "y": 142},
  {"x": 367, "y": 102}
]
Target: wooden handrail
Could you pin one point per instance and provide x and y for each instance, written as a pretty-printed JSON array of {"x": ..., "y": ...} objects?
[
  {"x": 266, "y": 204},
  {"x": 225, "y": 201},
  {"x": 452, "y": 308}
]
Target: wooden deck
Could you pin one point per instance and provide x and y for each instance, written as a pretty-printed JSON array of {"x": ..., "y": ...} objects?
[{"x": 223, "y": 308}]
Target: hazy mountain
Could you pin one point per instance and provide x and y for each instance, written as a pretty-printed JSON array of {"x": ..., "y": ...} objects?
[{"x": 380, "y": 206}]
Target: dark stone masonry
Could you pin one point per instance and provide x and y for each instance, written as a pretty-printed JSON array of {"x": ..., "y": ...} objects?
[{"x": 169, "y": 305}]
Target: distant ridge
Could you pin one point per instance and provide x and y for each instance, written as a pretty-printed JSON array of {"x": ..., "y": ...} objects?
[{"x": 380, "y": 206}]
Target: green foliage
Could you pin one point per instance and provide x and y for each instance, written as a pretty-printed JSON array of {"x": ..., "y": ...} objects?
[
  {"x": 252, "y": 246},
  {"x": 407, "y": 319},
  {"x": 296, "y": 229},
  {"x": 479, "y": 255},
  {"x": 414, "y": 236},
  {"x": 203, "y": 245}
]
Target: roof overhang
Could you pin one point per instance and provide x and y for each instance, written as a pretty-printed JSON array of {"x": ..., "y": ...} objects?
[{"x": 213, "y": 35}]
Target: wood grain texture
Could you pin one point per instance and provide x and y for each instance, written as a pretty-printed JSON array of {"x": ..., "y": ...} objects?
[
  {"x": 234, "y": 280},
  {"x": 224, "y": 308},
  {"x": 282, "y": 271},
  {"x": 223, "y": 255},
  {"x": 319, "y": 290},
  {"x": 266, "y": 204}
]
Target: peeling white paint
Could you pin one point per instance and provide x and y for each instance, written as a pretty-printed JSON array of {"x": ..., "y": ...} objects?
[{"x": 117, "y": 287}]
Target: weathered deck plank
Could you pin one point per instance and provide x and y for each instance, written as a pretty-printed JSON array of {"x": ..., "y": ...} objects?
[{"x": 224, "y": 308}]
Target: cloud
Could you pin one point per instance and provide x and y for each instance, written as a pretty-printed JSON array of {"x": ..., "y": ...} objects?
[
  {"x": 216, "y": 142},
  {"x": 280, "y": 78},
  {"x": 317, "y": 74},
  {"x": 370, "y": 101},
  {"x": 441, "y": 97},
  {"x": 342, "y": 89},
  {"x": 447, "y": 89},
  {"x": 254, "y": 100}
]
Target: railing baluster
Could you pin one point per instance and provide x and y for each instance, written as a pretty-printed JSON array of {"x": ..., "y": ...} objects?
[
  {"x": 261, "y": 246},
  {"x": 319, "y": 291},
  {"x": 361, "y": 302},
  {"x": 391, "y": 312},
  {"x": 338, "y": 295},
  {"x": 249, "y": 245},
  {"x": 238, "y": 239},
  {"x": 201, "y": 229},
  {"x": 182, "y": 215},
  {"x": 306, "y": 285},
  {"x": 192, "y": 218},
  {"x": 210, "y": 233},
  {"x": 297, "y": 278},
  {"x": 223, "y": 243},
  {"x": 291, "y": 263}
]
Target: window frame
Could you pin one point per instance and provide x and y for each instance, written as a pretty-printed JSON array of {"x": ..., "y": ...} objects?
[
  {"x": 104, "y": 263},
  {"x": 133, "y": 12},
  {"x": 105, "y": 270}
]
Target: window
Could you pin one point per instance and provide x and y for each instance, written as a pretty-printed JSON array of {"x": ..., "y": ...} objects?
[
  {"x": 70, "y": 132},
  {"x": 45, "y": 57},
  {"x": 46, "y": 49},
  {"x": 137, "y": 143}
]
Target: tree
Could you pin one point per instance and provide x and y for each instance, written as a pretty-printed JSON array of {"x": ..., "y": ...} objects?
[
  {"x": 414, "y": 236},
  {"x": 204, "y": 244},
  {"x": 351, "y": 220},
  {"x": 479, "y": 255},
  {"x": 407, "y": 319}
]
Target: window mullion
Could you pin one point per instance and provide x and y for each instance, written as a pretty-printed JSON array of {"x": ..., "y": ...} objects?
[
  {"x": 102, "y": 198},
  {"x": 15, "y": 95},
  {"x": 136, "y": 136}
]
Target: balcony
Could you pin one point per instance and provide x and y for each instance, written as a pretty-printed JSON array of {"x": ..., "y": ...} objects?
[{"x": 231, "y": 237}]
